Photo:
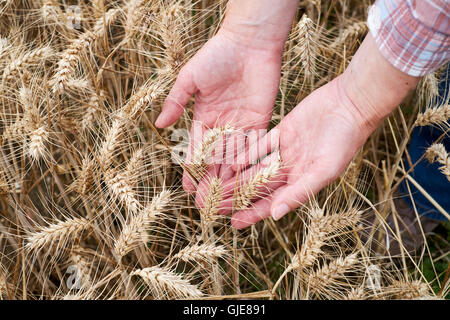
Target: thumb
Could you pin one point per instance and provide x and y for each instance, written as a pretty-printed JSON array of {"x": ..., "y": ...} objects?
[
  {"x": 178, "y": 97},
  {"x": 291, "y": 196}
]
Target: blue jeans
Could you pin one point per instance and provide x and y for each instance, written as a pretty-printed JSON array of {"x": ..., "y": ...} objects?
[{"x": 426, "y": 174}]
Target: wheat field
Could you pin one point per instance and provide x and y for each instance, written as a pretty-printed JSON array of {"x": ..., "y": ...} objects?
[{"x": 91, "y": 199}]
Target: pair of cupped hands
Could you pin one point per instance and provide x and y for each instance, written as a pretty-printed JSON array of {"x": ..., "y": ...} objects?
[{"x": 236, "y": 82}]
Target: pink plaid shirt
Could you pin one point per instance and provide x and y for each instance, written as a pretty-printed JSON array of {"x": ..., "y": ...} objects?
[{"x": 414, "y": 35}]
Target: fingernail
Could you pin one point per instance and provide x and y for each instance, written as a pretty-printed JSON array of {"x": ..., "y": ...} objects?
[
  {"x": 280, "y": 210},
  {"x": 158, "y": 120}
]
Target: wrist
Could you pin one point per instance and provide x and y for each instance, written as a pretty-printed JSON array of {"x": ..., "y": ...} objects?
[
  {"x": 374, "y": 86},
  {"x": 259, "y": 24}
]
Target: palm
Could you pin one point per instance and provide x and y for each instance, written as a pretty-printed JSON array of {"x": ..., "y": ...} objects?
[
  {"x": 319, "y": 137},
  {"x": 229, "y": 80},
  {"x": 317, "y": 140},
  {"x": 232, "y": 80}
]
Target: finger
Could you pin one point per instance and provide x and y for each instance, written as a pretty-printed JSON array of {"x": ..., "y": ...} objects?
[
  {"x": 259, "y": 211},
  {"x": 243, "y": 177},
  {"x": 263, "y": 146},
  {"x": 178, "y": 97},
  {"x": 231, "y": 187},
  {"x": 195, "y": 137},
  {"x": 204, "y": 185},
  {"x": 291, "y": 196},
  {"x": 234, "y": 144},
  {"x": 283, "y": 200}
]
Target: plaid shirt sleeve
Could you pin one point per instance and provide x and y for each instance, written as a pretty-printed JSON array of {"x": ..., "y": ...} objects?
[{"x": 413, "y": 35}]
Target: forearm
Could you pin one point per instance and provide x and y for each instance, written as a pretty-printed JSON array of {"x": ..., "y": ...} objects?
[
  {"x": 374, "y": 86},
  {"x": 260, "y": 23}
]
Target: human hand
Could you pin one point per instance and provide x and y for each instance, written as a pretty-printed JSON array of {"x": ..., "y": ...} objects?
[
  {"x": 316, "y": 141},
  {"x": 234, "y": 83},
  {"x": 319, "y": 137}
]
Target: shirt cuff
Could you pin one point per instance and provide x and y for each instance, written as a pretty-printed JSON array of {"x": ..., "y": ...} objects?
[{"x": 405, "y": 41}]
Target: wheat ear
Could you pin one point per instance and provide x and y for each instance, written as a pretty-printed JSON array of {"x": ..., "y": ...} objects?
[
  {"x": 165, "y": 283},
  {"x": 129, "y": 112},
  {"x": 356, "y": 294},
  {"x": 352, "y": 31},
  {"x": 72, "y": 55},
  {"x": 201, "y": 253},
  {"x": 172, "y": 38},
  {"x": 29, "y": 58},
  {"x": 307, "y": 47},
  {"x": 330, "y": 272},
  {"x": 204, "y": 149},
  {"x": 92, "y": 109},
  {"x": 409, "y": 289},
  {"x": 135, "y": 232},
  {"x": 36, "y": 146},
  {"x": 121, "y": 188},
  {"x": 85, "y": 178},
  {"x": 319, "y": 227},
  {"x": 250, "y": 190},
  {"x": 437, "y": 152},
  {"x": 437, "y": 116},
  {"x": 3, "y": 282},
  {"x": 4, "y": 188},
  {"x": 212, "y": 201},
  {"x": 57, "y": 233}
]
